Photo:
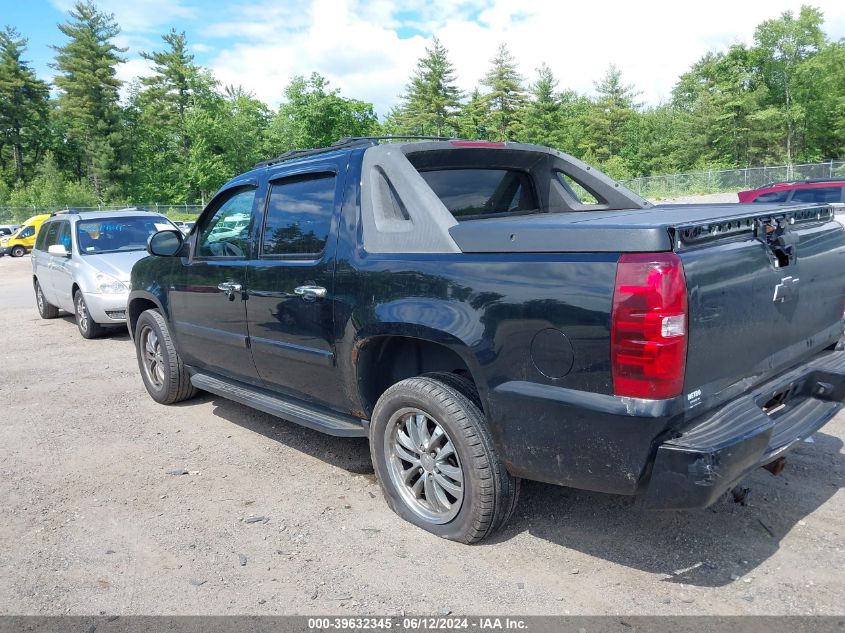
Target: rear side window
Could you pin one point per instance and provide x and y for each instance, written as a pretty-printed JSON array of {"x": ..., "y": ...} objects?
[
  {"x": 47, "y": 236},
  {"x": 299, "y": 215},
  {"x": 577, "y": 190},
  {"x": 63, "y": 235},
  {"x": 471, "y": 194},
  {"x": 41, "y": 238},
  {"x": 818, "y": 194},
  {"x": 774, "y": 196}
]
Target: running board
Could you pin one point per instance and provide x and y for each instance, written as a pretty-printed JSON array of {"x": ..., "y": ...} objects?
[{"x": 294, "y": 411}]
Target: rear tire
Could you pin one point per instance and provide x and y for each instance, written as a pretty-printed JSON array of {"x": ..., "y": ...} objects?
[
  {"x": 46, "y": 310},
  {"x": 18, "y": 251},
  {"x": 458, "y": 383},
  {"x": 162, "y": 370},
  {"x": 436, "y": 463}
]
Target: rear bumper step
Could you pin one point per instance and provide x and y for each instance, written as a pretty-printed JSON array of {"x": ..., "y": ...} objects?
[
  {"x": 694, "y": 469},
  {"x": 288, "y": 409}
]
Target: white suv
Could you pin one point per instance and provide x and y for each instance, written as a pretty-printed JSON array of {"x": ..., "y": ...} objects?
[{"x": 81, "y": 263}]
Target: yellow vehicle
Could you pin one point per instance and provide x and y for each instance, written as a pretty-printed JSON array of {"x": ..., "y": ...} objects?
[{"x": 21, "y": 241}]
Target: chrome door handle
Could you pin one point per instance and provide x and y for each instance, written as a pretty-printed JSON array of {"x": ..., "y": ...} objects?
[
  {"x": 230, "y": 288},
  {"x": 309, "y": 293}
]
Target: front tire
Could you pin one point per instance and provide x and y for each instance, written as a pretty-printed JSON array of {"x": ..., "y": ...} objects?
[
  {"x": 436, "y": 463},
  {"x": 46, "y": 310},
  {"x": 18, "y": 251},
  {"x": 162, "y": 370},
  {"x": 88, "y": 327}
]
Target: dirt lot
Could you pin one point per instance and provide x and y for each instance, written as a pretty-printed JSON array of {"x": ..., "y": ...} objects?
[{"x": 93, "y": 521}]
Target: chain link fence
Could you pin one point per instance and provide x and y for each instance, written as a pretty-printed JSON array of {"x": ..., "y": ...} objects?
[
  {"x": 730, "y": 180},
  {"x": 668, "y": 186},
  {"x": 15, "y": 215}
]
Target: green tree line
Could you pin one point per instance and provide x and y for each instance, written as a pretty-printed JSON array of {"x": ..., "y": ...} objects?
[{"x": 177, "y": 134}]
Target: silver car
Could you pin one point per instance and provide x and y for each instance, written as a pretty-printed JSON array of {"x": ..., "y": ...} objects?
[{"x": 81, "y": 263}]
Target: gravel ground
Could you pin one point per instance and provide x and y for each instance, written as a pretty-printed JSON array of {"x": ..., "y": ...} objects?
[{"x": 96, "y": 521}]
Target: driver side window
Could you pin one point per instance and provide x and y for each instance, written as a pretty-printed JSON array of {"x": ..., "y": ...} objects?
[{"x": 226, "y": 232}]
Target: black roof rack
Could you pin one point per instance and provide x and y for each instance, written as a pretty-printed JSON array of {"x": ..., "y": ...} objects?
[
  {"x": 347, "y": 142},
  {"x": 77, "y": 211},
  {"x": 802, "y": 181}
]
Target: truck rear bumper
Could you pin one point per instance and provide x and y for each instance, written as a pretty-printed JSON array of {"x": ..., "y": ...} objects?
[
  {"x": 627, "y": 446},
  {"x": 697, "y": 467}
]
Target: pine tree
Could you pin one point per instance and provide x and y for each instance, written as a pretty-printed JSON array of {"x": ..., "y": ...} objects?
[
  {"x": 88, "y": 97},
  {"x": 474, "y": 117},
  {"x": 542, "y": 120},
  {"x": 431, "y": 102},
  {"x": 23, "y": 104},
  {"x": 171, "y": 88},
  {"x": 611, "y": 112},
  {"x": 164, "y": 103},
  {"x": 506, "y": 97}
]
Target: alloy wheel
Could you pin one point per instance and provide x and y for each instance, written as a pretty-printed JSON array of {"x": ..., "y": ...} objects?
[
  {"x": 151, "y": 356},
  {"x": 82, "y": 316},
  {"x": 424, "y": 465}
]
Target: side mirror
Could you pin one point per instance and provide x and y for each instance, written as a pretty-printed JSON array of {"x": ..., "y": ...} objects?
[
  {"x": 58, "y": 250},
  {"x": 165, "y": 243}
]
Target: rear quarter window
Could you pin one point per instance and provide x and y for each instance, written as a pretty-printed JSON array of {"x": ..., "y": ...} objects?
[
  {"x": 773, "y": 196},
  {"x": 471, "y": 194},
  {"x": 822, "y": 195},
  {"x": 47, "y": 235},
  {"x": 40, "y": 238}
]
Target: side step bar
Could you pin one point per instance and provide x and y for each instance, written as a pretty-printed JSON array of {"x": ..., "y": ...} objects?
[{"x": 294, "y": 411}]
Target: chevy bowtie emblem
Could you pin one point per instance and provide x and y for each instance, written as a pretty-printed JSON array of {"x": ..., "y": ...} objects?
[{"x": 786, "y": 290}]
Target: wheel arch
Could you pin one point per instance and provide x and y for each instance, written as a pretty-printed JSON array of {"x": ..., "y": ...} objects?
[
  {"x": 137, "y": 304},
  {"x": 384, "y": 358}
]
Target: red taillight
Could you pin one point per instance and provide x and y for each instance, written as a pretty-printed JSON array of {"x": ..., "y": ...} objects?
[{"x": 648, "y": 336}]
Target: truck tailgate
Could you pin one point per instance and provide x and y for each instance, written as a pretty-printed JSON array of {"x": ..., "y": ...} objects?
[
  {"x": 765, "y": 291},
  {"x": 765, "y": 282}
]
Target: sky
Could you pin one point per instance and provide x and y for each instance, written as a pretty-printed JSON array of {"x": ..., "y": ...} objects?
[{"x": 369, "y": 48}]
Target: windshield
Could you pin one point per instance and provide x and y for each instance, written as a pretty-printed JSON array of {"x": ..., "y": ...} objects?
[
  {"x": 112, "y": 235},
  {"x": 24, "y": 232}
]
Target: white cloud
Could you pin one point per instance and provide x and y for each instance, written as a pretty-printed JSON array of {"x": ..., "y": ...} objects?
[
  {"x": 363, "y": 58},
  {"x": 132, "y": 69},
  {"x": 651, "y": 42},
  {"x": 356, "y": 44},
  {"x": 139, "y": 15}
]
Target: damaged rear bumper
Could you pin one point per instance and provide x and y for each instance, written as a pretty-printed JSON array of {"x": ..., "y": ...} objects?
[{"x": 697, "y": 467}]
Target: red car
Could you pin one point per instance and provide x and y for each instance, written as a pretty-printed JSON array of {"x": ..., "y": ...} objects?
[{"x": 826, "y": 190}]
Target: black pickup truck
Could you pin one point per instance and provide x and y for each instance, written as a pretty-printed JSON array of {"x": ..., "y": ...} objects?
[{"x": 486, "y": 312}]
